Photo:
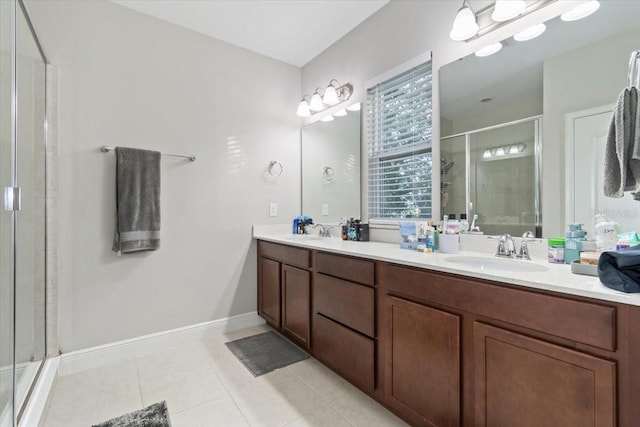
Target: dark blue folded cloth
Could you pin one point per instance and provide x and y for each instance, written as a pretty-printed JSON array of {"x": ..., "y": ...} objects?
[{"x": 620, "y": 270}]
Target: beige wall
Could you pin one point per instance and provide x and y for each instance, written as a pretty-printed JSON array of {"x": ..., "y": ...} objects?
[{"x": 131, "y": 80}]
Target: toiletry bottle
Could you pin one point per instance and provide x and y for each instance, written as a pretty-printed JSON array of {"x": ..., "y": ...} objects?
[
  {"x": 573, "y": 243},
  {"x": 606, "y": 233},
  {"x": 422, "y": 239},
  {"x": 464, "y": 224}
]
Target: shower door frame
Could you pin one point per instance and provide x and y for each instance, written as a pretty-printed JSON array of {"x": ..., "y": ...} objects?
[{"x": 537, "y": 123}]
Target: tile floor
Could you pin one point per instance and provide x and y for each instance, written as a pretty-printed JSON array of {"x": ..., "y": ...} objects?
[{"x": 205, "y": 385}]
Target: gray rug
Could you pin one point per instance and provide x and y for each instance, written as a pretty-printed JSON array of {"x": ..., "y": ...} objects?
[
  {"x": 156, "y": 415},
  {"x": 265, "y": 352}
]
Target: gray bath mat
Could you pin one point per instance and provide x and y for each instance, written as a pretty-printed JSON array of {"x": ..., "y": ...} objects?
[
  {"x": 155, "y": 415},
  {"x": 265, "y": 352}
]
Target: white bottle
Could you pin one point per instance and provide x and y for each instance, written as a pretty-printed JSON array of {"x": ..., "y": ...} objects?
[{"x": 606, "y": 233}]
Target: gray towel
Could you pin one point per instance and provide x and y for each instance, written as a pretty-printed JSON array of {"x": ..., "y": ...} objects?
[
  {"x": 621, "y": 167},
  {"x": 137, "y": 200}
]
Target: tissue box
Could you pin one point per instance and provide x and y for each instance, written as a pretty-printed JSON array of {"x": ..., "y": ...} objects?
[{"x": 408, "y": 235}]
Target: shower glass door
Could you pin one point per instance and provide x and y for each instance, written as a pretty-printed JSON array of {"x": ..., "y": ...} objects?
[{"x": 22, "y": 247}]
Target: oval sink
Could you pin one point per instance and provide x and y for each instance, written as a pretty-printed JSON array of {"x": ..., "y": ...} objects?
[{"x": 497, "y": 264}]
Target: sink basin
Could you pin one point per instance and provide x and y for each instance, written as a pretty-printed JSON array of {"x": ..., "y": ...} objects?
[
  {"x": 304, "y": 237},
  {"x": 496, "y": 264}
]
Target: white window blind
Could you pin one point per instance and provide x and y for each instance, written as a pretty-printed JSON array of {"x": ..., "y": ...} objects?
[{"x": 399, "y": 135}]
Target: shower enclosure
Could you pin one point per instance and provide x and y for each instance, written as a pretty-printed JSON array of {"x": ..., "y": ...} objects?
[
  {"x": 494, "y": 172},
  {"x": 22, "y": 222}
]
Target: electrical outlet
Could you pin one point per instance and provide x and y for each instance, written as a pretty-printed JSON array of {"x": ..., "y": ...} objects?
[
  {"x": 325, "y": 209},
  {"x": 273, "y": 209}
]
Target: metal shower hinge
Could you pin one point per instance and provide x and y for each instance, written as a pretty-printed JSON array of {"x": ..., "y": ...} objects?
[{"x": 12, "y": 198}]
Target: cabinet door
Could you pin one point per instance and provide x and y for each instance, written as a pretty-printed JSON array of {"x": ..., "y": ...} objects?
[
  {"x": 269, "y": 292},
  {"x": 296, "y": 302},
  {"x": 521, "y": 381},
  {"x": 423, "y": 363}
]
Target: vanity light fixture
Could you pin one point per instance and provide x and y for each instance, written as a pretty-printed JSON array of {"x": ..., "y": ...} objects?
[
  {"x": 334, "y": 94},
  {"x": 316, "y": 102},
  {"x": 465, "y": 25},
  {"x": 505, "y": 10},
  {"x": 581, "y": 11},
  {"x": 530, "y": 33},
  {"x": 504, "y": 151},
  {"x": 303, "y": 108},
  {"x": 489, "y": 50}
]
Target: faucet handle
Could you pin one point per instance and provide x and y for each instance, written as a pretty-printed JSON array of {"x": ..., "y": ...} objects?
[
  {"x": 506, "y": 246},
  {"x": 527, "y": 237}
]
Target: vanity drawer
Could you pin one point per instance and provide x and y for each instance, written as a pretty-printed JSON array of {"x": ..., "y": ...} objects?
[
  {"x": 579, "y": 321},
  {"x": 353, "y": 269},
  {"x": 346, "y": 351},
  {"x": 286, "y": 254},
  {"x": 345, "y": 302}
]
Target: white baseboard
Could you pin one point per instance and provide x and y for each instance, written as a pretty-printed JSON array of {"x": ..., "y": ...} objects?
[
  {"x": 40, "y": 394},
  {"x": 94, "y": 357}
]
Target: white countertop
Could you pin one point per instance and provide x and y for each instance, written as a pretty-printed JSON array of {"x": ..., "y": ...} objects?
[{"x": 555, "y": 277}]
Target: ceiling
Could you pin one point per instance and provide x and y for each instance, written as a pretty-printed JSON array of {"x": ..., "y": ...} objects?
[{"x": 292, "y": 31}]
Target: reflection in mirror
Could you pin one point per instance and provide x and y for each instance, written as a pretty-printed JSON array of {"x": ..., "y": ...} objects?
[
  {"x": 331, "y": 169},
  {"x": 572, "y": 67}
]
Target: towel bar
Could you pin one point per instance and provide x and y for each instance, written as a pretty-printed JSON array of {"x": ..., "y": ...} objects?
[{"x": 106, "y": 149}]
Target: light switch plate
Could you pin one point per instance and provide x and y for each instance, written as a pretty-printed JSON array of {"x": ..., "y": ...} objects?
[
  {"x": 273, "y": 209},
  {"x": 325, "y": 209}
]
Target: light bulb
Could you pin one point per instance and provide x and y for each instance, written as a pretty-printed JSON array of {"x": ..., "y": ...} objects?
[
  {"x": 530, "y": 33},
  {"x": 327, "y": 118},
  {"x": 489, "y": 50},
  {"x": 330, "y": 96},
  {"x": 303, "y": 109},
  {"x": 581, "y": 11},
  {"x": 354, "y": 107},
  {"x": 465, "y": 25},
  {"x": 340, "y": 113},
  {"x": 486, "y": 154},
  {"x": 507, "y": 9},
  {"x": 316, "y": 102}
]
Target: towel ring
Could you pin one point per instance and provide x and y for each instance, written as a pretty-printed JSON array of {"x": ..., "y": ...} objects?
[
  {"x": 328, "y": 173},
  {"x": 275, "y": 168}
]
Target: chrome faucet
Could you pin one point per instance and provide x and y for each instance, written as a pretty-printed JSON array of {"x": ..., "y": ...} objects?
[
  {"x": 507, "y": 246},
  {"x": 524, "y": 247},
  {"x": 324, "y": 230}
]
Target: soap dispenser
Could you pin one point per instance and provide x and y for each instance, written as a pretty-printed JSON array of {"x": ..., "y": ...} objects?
[{"x": 573, "y": 243}]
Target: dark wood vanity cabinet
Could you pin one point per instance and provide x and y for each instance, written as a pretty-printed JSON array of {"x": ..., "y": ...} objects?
[
  {"x": 344, "y": 335},
  {"x": 446, "y": 350},
  {"x": 521, "y": 381},
  {"x": 422, "y": 354},
  {"x": 461, "y": 351},
  {"x": 284, "y": 290}
]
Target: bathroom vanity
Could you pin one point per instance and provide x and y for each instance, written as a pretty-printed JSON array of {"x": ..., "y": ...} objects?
[{"x": 441, "y": 344}]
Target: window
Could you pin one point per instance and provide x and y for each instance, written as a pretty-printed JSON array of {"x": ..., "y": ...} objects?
[{"x": 399, "y": 151}]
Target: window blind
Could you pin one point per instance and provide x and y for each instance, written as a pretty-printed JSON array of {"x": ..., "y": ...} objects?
[{"x": 399, "y": 146}]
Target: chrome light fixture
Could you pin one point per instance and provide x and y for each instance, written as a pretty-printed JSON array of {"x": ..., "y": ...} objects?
[
  {"x": 505, "y": 10},
  {"x": 334, "y": 94},
  {"x": 465, "y": 25}
]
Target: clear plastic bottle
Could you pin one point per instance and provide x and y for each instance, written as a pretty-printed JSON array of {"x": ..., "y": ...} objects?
[{"x": 606, "y": 233}]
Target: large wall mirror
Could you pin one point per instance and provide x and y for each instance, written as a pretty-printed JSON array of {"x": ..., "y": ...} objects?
[
  {"x": 567, "y": 79},
  {"x": 331, "y": 169}
]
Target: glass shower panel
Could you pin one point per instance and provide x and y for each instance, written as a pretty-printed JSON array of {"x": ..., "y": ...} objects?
[
  {"x": 30, "y": 228},
  {"x": 6, "y": 220},
  {"x": 453, "y": 176},
  {"x": 502, "y": 178}
]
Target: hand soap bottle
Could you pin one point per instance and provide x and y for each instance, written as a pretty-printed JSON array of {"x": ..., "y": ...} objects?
[{"x": 573, "y": 243}]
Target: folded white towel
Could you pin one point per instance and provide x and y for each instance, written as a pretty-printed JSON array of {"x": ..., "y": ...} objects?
[{"x": 621, "y": 166}]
